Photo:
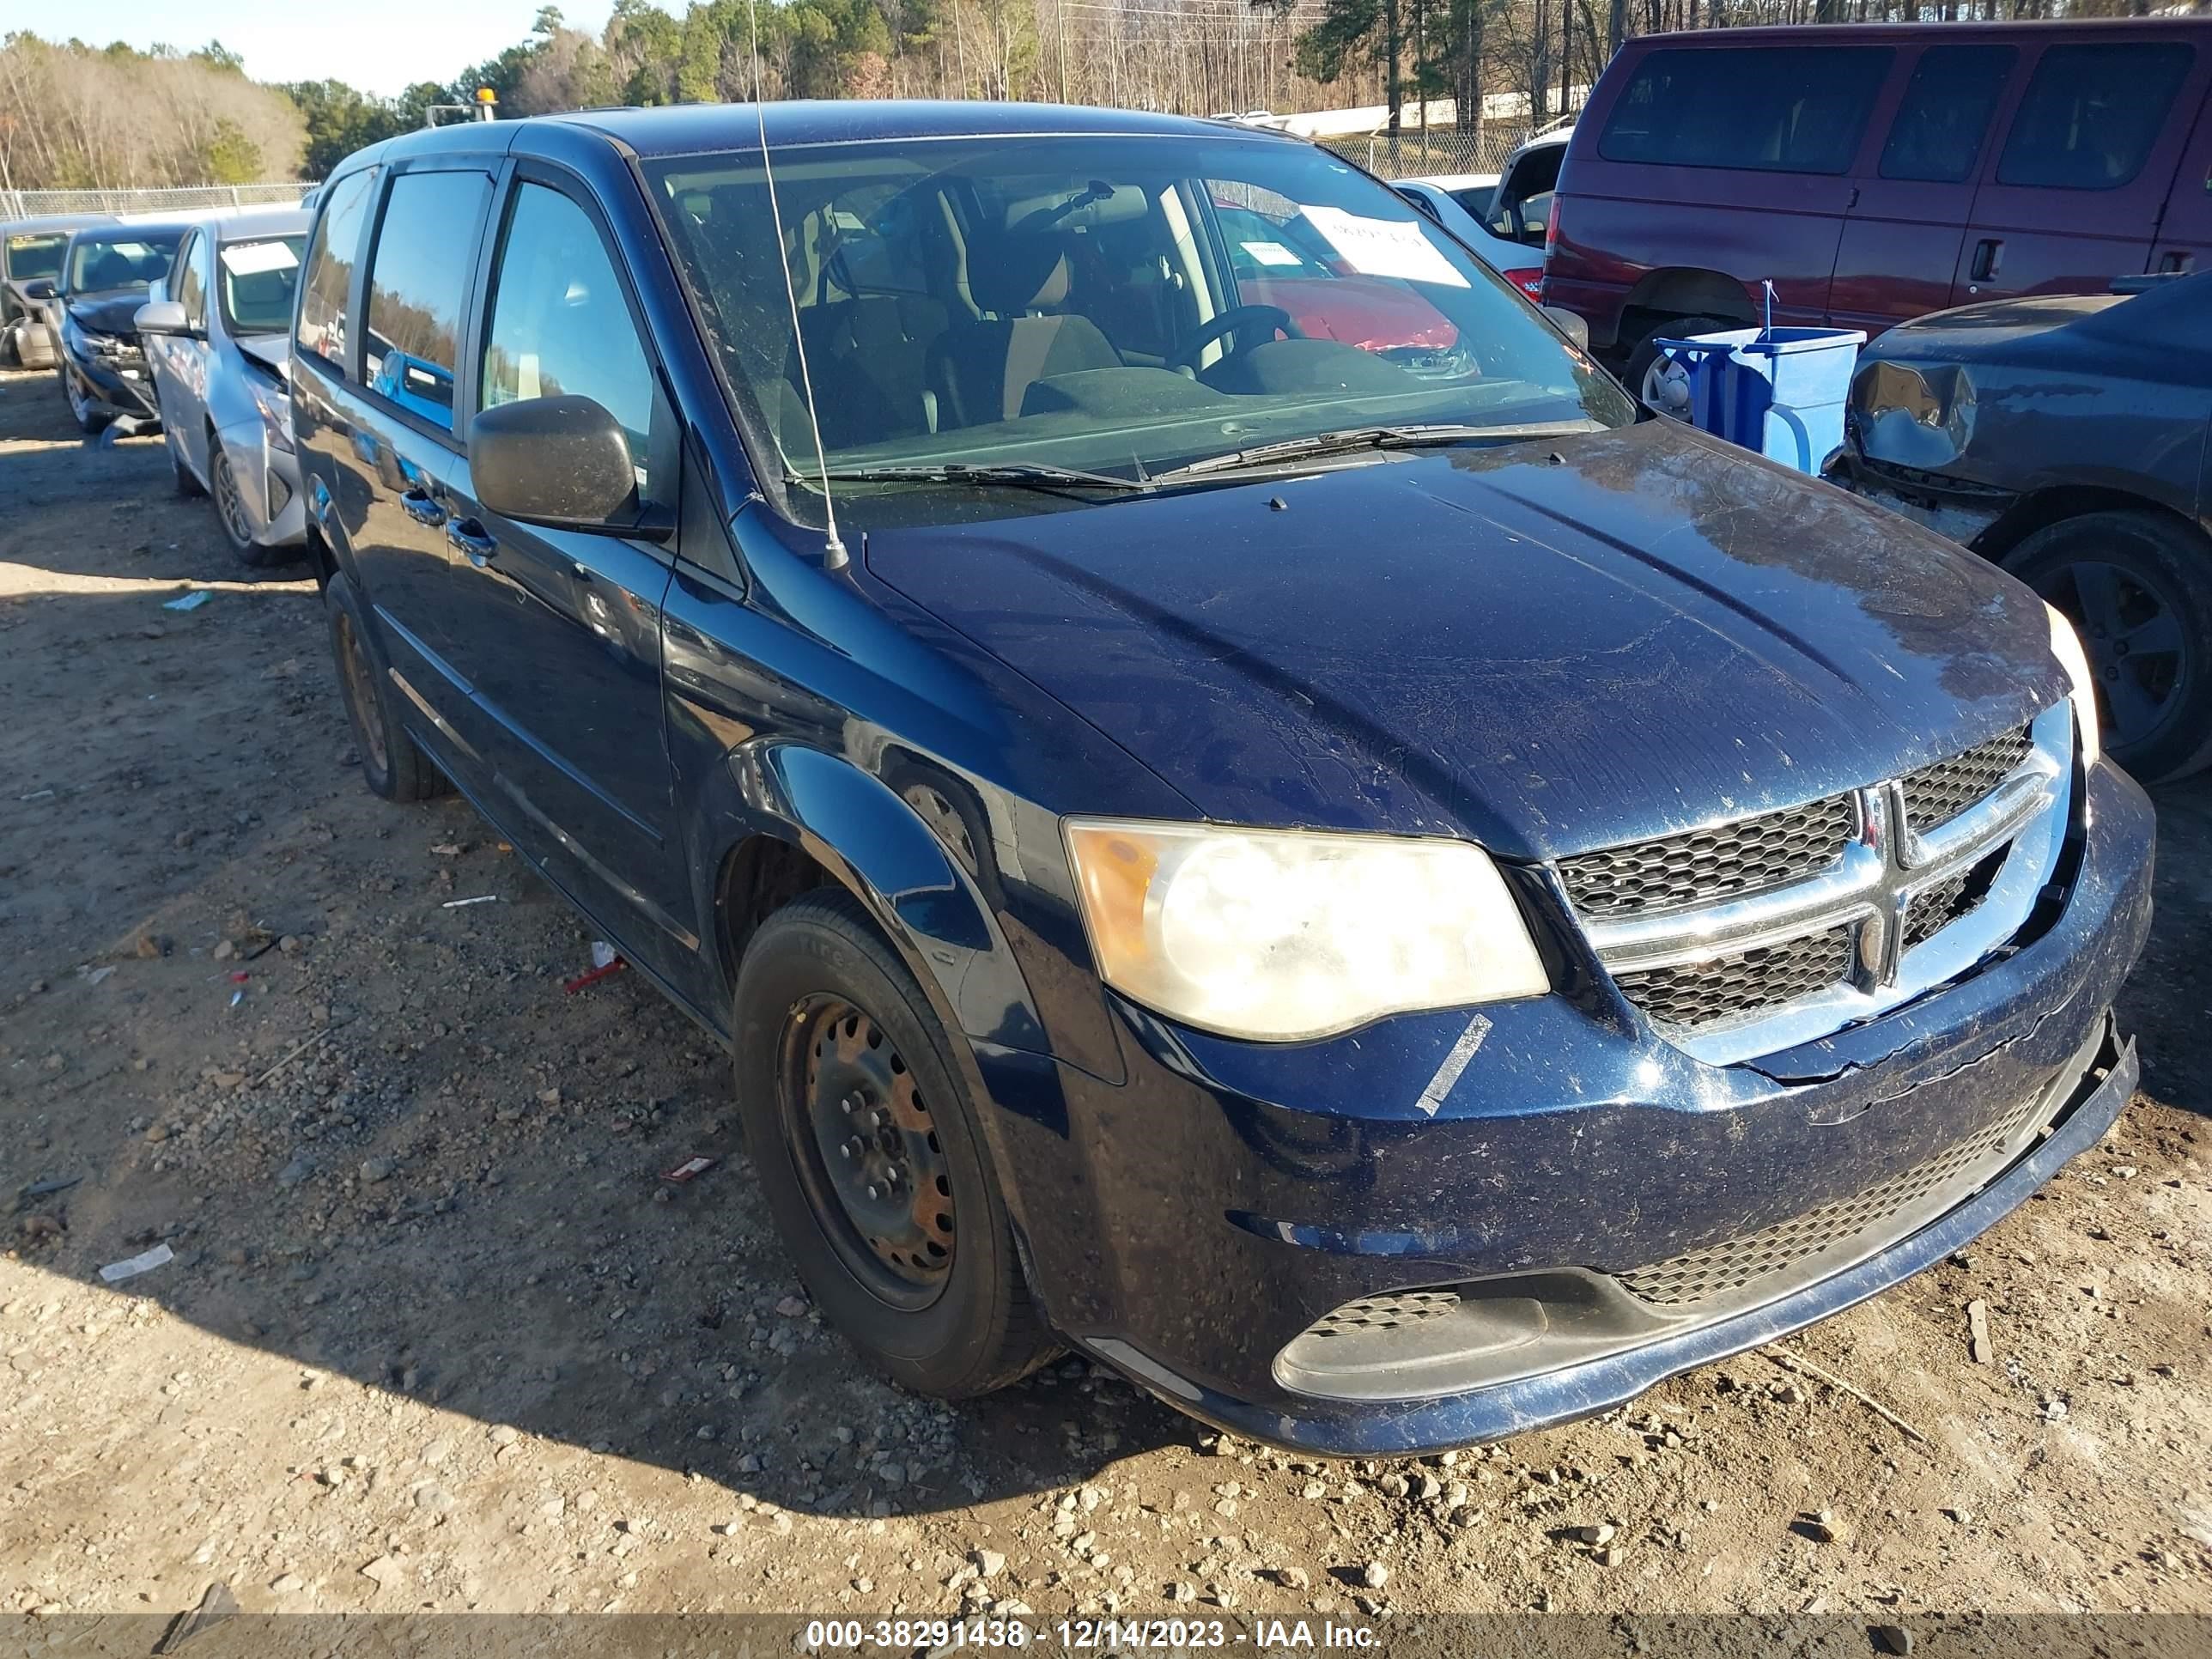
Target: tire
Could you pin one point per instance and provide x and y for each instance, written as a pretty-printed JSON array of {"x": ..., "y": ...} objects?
[
  {"x": 391, "y": 764},
  {"x": 1641, "y": 376},
  {"x": 230, "y": 511},
  {"x": 91, "y": 419},
  {"x": 180, "y": 476},
  {"x": 2138, "y": 586},
  {"x": 826, "y": 1016}
]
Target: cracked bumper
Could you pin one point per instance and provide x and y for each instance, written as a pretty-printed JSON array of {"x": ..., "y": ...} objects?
[{"x": 1201, "y": 1217}]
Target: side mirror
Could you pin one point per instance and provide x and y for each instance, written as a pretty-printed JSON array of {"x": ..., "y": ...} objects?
[
  {"x": 561, "y": 462},
  {"x": 1576, "y": 328},
  {"x": 161, "y": 317},
  {"x": 39, "y": 287}
]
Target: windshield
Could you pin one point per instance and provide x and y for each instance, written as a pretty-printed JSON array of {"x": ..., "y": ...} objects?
[
  {"x": 255, "y": 282},
  {"x": 32, "y": 257},
  {"x": 1119, "y": 305},
  {"x": 124, "y": 259}
]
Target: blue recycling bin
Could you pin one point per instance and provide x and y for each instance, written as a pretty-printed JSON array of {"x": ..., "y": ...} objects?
[{"x": 1778, "y": 391}]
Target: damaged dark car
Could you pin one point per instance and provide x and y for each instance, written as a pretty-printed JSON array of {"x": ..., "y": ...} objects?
[
  {"x": 1367, "y": 889},
  {"x": 2068, "y": 438},
  {"x": 105, "y": 274}
]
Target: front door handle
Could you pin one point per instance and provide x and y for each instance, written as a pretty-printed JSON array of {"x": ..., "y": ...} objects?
[
  {"x": 1989, "y": 256},
  {"x": 468, "y": 536},
  {"x": 421, "y": 508}
]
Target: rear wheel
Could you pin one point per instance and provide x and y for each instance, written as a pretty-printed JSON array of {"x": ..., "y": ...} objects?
[
  {"x": 867, "y": 1148},
  {"x": 1664, "y": 388},
  {"x": 2138, "y": 586},
  {"x": 391, "y": 763}
]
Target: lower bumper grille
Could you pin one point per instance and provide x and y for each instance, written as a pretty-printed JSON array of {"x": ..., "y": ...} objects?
[{"x": 1716, "y": 1270}]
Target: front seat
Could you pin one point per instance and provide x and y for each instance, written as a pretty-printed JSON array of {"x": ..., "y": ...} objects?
[{"x": 984, "y": 369}]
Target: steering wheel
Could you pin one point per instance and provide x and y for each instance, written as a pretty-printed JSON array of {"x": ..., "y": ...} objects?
[{"x": 1235, "y": 320}]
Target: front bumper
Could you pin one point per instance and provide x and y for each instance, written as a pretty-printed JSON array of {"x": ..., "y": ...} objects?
[
  {"x": 126, "y": 389},
  {"x": 268, "y": 485},
  {"x": 1188, "y": 1225}
]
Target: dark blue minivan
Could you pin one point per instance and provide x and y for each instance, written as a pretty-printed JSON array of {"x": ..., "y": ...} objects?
[{"x": 1307, "y": 854}]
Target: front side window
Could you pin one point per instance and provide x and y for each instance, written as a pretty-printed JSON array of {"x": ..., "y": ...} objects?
[
  {"x": 122, "y": 259},
  {"x": 190, "y": 290},
  {"x": 32, "y": 257},
  {"x": 1937, "y": 136},
  {"x": 329, "y": 268},
  {"x": 559, "y": 324},
  {"x": 256, "y": 280},
  {"x": 418, "y": 286},
  {"x": 2091, "y": 113},
  {"x": 1122, "y": 305},
  {"x": 1769, "y": 109}
]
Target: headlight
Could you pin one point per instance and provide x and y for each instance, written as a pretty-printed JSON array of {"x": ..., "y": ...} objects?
[
  {"x": 2066, "y": 645},
  {"x": 276, "y": 407},
  {"x": 1281, "y": 935}
]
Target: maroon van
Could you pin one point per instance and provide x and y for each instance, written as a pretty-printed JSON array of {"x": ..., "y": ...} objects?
[{"x": 1879, "y": 172}]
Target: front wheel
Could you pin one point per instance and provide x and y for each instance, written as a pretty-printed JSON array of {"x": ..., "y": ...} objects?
[
  {"x": 866, "y": 1145},
  {"x": 2138, "y": 586},
  {"x": 231, "y": 512},
  {"x": 90, "y": 417}
]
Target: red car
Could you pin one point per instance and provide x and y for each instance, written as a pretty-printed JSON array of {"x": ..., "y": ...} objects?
[
  {"x": 1286, "y": 263},
  {"x": 1878, "y": 173}
]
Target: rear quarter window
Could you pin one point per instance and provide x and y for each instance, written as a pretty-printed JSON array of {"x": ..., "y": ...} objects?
[
  {"x": 1769, "y": 109},
  {"x": 329, "y": 276}
]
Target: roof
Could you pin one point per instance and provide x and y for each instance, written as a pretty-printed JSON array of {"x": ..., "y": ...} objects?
[
  {"x": 135, "y": 227},
  {"x": 257, "y": 222},
  {"x": 688, "y": 129},
  {"x": 1838, "y": 35},
  {"x": 53, "y": 221}
]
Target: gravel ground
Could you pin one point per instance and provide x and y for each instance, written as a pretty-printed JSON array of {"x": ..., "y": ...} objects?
[{"x": 434, "y": 1335}]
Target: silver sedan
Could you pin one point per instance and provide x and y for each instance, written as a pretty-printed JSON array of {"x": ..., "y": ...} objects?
[{"x": 218, "y": 341}]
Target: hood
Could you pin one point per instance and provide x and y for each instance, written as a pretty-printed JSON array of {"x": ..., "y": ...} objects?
[
  {"x": 112, "y": 311},
  {"x": 1546, "y": 646},
  {"x": 271, "y": 351}
]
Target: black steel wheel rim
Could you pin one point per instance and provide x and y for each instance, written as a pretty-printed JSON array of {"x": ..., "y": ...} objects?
[
  {"x": 361, "y": 692},
  {"x": 867, "y": 1149},
  {"x": 228, "y": 503},
  {"x": 2137, "y": 645}
]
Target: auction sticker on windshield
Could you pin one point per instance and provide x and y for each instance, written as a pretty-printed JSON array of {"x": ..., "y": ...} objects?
[
  {"x": 1272, "y": 253},
  {"x": 1384, "y": 247},
  {"x": 251, "y": 258}
]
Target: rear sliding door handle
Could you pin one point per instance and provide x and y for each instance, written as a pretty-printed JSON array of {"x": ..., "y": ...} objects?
[
  {"x": 1988, "y": 259},
  {"x": 468, "y": 536},
  {"x": 421, "y": 508}
]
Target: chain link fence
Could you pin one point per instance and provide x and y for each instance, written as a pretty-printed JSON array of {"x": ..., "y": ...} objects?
[
  {"x": 190, "y": 199},
  {"x": 1441, "y": 152}
]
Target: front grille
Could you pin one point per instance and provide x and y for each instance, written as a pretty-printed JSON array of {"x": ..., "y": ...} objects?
[
  {"x": 1388, "y": 1312},
  {"x": 1716, "y": 1270},
  {"x": 1706, "y": 865},
  {"x": 1705, "y": 993},
  {"x": 1937, "y": 793}
]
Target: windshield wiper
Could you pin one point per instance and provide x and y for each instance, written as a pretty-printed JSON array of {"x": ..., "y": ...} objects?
[
  {"x": 1021, "y": 475},
  {"x": 1351, "y": 440}
]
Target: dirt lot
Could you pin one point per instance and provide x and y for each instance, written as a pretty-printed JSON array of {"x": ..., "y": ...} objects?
[{"x": 434, "y": 1335}]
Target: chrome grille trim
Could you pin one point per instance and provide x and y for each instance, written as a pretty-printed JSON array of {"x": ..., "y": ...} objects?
[{"x": 1870, "y": 891}]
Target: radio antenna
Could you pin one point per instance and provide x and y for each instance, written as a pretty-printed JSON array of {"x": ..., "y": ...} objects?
[{"x": 834, "y": 557}]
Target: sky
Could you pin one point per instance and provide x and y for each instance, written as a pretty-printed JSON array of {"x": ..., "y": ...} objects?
[{"x": 380, "y": 45}]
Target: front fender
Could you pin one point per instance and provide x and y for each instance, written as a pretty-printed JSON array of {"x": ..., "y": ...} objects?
[{"x": 932, "y": 910}]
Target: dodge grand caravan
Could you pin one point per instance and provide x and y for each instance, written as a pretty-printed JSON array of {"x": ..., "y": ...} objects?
[
  {"x": 1359, "y": 884},
  {"x": 1879, "y": 172}
]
